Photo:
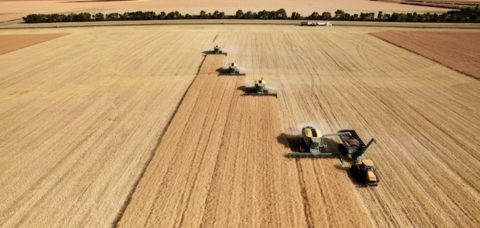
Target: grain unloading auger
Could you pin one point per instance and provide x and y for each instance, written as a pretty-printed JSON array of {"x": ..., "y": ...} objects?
[
  {"x": 259, "y": 89},
  {"x": 232, "y": 70},
  {"x": 314, "y": 145}
]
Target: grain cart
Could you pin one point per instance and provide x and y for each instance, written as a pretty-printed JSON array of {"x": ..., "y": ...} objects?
[{"x": 353, "y": 146}]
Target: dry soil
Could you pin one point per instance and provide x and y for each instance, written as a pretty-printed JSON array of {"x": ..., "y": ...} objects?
[
  {"x": 82, "y": 114},
  {"x": 10, "y": 43},
  {"x": 458, "y": 50}
]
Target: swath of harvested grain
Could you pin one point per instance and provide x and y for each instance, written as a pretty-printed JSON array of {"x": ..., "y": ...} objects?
[
  {"x": 454, "y": 49},
  {"x": 80, "y": 116},
  {"x": 9, "y": 43},
  {"x": 215, "y": 165}
]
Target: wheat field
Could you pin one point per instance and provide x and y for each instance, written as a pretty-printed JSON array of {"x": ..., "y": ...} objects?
[
  {"x": 80, "y": 116},
  {"x": 84, "y": 114}
]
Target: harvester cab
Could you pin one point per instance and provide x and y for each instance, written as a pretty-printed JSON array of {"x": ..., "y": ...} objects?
[
  {"x": 259, "y": 89},
  {"x": 313, "y": 139},
  {"x": 260, "y": 85}
]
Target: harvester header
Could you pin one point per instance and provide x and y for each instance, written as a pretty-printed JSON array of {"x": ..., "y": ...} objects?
[{"x": 259, "y": 89}]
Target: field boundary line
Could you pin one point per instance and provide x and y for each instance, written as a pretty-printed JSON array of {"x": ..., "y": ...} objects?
[
  {"x": 153, "y": 151},
  {"x": 431, "y": 59},
  {"x": 236, "y": 22}
]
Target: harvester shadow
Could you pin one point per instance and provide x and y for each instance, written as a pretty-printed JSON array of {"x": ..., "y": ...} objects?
[
  {"x": 242, "y": 88},
  {"x": 293, "y": 142},
  {"x": 290, "y": 141},
  {"x": 249, "y": 90},
  {"x": 222, "y": 70}
]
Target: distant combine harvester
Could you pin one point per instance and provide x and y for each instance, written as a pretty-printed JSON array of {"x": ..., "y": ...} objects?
[{"x": 315, "y": 23}]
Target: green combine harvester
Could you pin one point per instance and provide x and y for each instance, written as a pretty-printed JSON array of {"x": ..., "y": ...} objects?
[
  {"x": 259, "y": 89},
  {"x": 232, "y": 70},
  {"x": 217, "y": 51}
]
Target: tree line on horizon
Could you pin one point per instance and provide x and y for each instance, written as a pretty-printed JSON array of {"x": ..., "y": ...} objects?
[{"x": 465, "y": 15}]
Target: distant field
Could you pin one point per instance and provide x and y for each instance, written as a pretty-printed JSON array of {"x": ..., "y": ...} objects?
[
  {"x": 10, "y": 43},
  {"x": 458, "y": 50},
  {"x": 11, "y": 9},
  {"x": 439, "y": 3}
]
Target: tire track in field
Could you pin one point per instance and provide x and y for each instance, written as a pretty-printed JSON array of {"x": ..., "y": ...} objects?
[
  {"x": 306, "y": 203},
  {"x": 152, "y": 154}
]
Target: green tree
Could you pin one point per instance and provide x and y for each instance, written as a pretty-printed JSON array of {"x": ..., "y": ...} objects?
[
  {"x": 281, "y": 14},
  {"x": 339, "y": 14},
  {"x": 354, "y": 17},
  {"x": 239, "y": 14},
  {"x": 113, "y": 17},
  {"x": 380, "y": 16},
  {"x": 99, "y": 17},
  {"x": 150, "y": 15},
  {"x": 161, "y": 16},
  {"x": 295, "y": 16},
  {"x": 203, "y": 15},
  {"x": 326, "y": 16},
  {"x": 314, "y": 16},
  {"x": 250, "y": 15}
]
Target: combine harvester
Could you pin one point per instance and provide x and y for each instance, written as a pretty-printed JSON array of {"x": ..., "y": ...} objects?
[
  {"x": 314, "y": 145},
  {"x": 259, "y": 89},
  {"x": 232, "y": 70},
  {"x": 217, "y": 50}
]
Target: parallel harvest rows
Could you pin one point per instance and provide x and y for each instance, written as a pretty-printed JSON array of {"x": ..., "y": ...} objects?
[{"x": 82, "y": 118}]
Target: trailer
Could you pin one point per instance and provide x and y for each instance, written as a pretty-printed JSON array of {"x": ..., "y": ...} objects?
[
  {"x": 362, "y": 170},
  {"x": 315, "y": 23},
  {"x": 351, "y": 142}
]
